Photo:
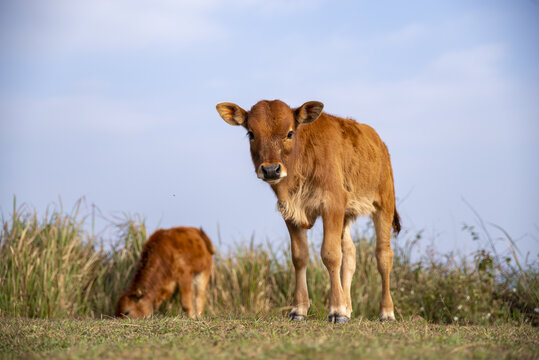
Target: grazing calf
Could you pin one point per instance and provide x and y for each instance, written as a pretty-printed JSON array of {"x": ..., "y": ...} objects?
[
  {"x": 334, "y": 168},
  {"x": 179, "y": 256}
]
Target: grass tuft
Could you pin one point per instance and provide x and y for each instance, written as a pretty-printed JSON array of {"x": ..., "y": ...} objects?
[{"x": 50, "y": 267}]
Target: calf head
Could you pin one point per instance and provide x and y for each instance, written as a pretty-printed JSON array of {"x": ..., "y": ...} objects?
[
  {"x": 271, "y": 128},
  {"x": 133, "y": 304}
]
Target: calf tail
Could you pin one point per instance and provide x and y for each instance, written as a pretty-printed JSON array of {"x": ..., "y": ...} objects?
[
  {"x": 207, "y": 241},
  {"x": 396, "y": 222}
]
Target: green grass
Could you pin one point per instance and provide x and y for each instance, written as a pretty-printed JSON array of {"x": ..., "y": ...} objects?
[
  {"x": 262, "y": 338},
  {"x": 59, "y": 285},
  {"x": 51, "y": 267}
]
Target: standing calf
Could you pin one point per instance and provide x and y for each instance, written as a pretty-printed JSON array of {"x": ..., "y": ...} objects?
[
  {"x": 179, "y": 256},
  {"x": 334, "y": 168}
]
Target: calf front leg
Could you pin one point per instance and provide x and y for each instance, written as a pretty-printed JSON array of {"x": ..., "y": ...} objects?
[
  {"x": 300, "y": 258},
  {"x": 331, "y": 254}
]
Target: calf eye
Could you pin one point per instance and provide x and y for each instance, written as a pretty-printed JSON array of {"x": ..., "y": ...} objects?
[
  {"x": 127, "y": 313},
  {"x": 250, "y": 135},
  {"x": 290, "y": 134}
]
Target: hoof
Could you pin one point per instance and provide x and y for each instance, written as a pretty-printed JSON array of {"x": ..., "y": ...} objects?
[
  {"x": 387, "y": 317},
  {"x": 338, "y": 319},
  {"x": 296, "y": 317}
]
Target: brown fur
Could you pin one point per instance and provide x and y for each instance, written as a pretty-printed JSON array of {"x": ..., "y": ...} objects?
[
  {"x": 330, "y": 167},
  {"x": 180, "y": 256}
]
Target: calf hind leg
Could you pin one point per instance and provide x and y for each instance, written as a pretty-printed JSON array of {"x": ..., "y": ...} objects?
[
  {"x": 348, "y": 266},
  {"x": 332, "y": 256},
  {"x": 200, "y": 282},
  {"x": 186, "y": 293},
  {"x": 384, "y": 258}
]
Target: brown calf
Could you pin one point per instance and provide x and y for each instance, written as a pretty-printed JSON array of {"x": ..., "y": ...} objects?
[
  {"x": 179, "y": 256},
  {"x": 334, "y": 168}
]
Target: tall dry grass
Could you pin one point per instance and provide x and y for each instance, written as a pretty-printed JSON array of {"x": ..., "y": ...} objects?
[{"x": 50, "y": 267}]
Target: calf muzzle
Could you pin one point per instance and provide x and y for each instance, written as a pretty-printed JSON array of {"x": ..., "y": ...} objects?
[{"x": 271, "y": 172}]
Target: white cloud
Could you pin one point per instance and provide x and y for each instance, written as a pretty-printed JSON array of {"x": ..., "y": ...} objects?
[
  {"x": 478, "y": 62},
  {"x": 66, "y": 26},
  {"x": 405, "y": 35},
  {"x": 459, "y": 89},
  {"x": 77, "y": 113},
  {"x": 102, "y": 25},
  {"x": 276, "y": 6}
]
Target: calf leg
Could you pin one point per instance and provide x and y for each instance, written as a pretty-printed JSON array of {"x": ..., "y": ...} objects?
[
  {"x": 200, "y": 284},
  {"x": 164, "y": 294},
  {"x": 186, "y": 293},
  {"x": 300, "y": 258},
  {"x": 384, "y": 257},
  {"x": 348, "y": 266},
  {"x": 331, "y": 254}
]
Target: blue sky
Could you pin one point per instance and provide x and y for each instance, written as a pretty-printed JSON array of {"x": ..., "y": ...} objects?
[{"x": 115, "y": 101}]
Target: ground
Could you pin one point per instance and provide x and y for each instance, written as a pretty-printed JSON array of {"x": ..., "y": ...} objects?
[{"x": 226, "y": 338}]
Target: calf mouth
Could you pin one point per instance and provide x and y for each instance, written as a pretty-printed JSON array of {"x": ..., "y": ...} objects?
[{"x": 273, "y": 181}]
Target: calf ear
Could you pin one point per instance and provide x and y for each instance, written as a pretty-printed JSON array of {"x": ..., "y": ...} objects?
[
  {"x": 137, "y": 294},
  {"x": 232, "y": 113},
  {"x": 308, "y": 112}
]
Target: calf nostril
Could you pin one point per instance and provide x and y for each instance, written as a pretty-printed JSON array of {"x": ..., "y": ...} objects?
[{"x": 271, "y": 172}]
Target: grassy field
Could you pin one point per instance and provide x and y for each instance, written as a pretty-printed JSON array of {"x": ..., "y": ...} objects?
[
  {"x": 223, "y": 338},
  {"x": 59, "y": 284}
]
